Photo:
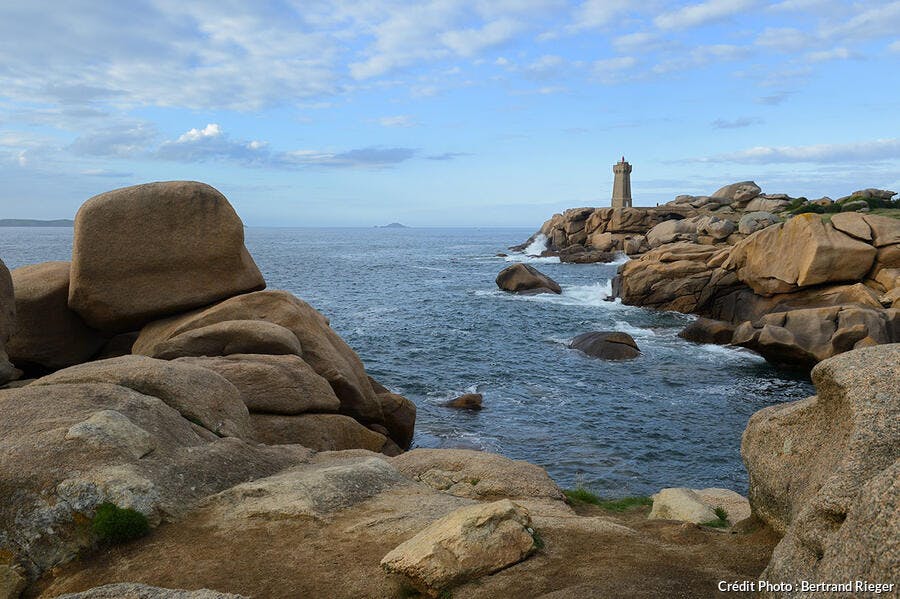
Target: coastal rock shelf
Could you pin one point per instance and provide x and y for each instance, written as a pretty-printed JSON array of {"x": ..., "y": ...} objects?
[{"x": 796, "y": 281}]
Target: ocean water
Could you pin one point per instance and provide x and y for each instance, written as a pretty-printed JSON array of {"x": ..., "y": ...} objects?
[{"x": 421, "y": 308}]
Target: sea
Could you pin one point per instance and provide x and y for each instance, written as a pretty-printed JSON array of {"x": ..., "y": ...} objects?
[{"x": 422, "y": 310}]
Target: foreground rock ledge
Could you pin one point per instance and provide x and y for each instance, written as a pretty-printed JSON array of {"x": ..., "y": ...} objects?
[{"x": 825, "y": 471}]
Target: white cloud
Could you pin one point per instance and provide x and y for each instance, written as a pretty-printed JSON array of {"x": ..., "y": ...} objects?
[
  {"x": 699, "y": 56},
  {"x": 593, "y": 14},
  {"x": 877, "y": 21},
  {"x": 840, "y": 53},
  {"x": 785, "y": 39},
  {"x": 895, "y": 46},
  {"x": 400, "y": 120},
  {"x": 640, "y": 41},
  {"x": 702, "y": 13},
  {"x": 737, "y": 123},
  {"x": 473, "y": 41},
  {"x": 212, "y": 130},
  {"x": 875, "y": 150}
]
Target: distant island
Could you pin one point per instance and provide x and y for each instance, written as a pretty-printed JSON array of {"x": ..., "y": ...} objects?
[
  {"x": 393, "y": 226},
  {"x": 30, "y": 222}
]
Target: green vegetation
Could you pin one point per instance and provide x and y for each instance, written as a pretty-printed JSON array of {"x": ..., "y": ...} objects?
[
  {"x": 721, "y": 520},
  {"x": 113, "y": 524},
  {"x": 538, "y": 539},
  {"x": 889, "y": 212},
  {"x": 582, "y": 495}
]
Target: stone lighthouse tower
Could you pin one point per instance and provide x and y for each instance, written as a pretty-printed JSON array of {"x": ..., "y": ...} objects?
[{"x": 621, "y": 197}]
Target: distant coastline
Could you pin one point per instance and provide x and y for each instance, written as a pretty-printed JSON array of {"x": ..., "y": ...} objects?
[
  {"x": 30, "y": 222},
  {"x": 393, "y": 226}
]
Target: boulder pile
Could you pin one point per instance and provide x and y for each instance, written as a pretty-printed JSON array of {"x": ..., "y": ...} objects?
[{"x": 165, "y": 374}]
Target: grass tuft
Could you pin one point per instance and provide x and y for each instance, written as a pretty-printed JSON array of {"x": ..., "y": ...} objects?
[
  {"x": 113, "y": 524},
  {"x": 582, "y": 495},
  {"x": 721, "y": 520}
]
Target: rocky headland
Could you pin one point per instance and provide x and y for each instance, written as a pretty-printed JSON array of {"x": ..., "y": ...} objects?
[
  {"x": 248, "y": 453},
  {"x": 793, "y": 279}
]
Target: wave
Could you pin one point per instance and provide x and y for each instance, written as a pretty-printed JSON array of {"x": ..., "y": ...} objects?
[
  {"x": 621, "y": 258},
  {"x": 538, "y": 246},
  {"x": 730, "y": 352},
  {"x": 532, "y": 259}
]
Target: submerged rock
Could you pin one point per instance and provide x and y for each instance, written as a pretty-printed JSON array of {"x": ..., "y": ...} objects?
[
  {"x": 467, "y": 401},
  {"x": 522, "y": 278},
  {"x": 607, "y": 345}
]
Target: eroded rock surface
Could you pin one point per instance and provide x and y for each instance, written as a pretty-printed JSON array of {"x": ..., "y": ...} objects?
[{"x": 522, "y": 278}]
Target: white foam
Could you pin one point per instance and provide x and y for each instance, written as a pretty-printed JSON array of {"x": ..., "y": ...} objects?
[
  {"x": 538, "y": 246},
  {"x": 624, "y": 327},
  {"x": 532, "y": 259},
  {"x": 621, "y": 258},
  {"x": 730, "y": 352}
]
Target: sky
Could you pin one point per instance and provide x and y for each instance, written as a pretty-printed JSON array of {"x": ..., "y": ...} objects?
[{"x": 443, "y": 112}]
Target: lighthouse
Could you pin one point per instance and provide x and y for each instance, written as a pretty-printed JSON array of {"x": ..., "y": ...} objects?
[{"x": 621, "y": 196}]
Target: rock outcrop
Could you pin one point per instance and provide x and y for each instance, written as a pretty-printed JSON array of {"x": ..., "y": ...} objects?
[
  {"x": 699, "y": 505},
  {"x": 49, "y": 335},
  {"x": 824, "y": 472},
  {"x": 143, "y": 252},
  {"x": 129, "y": 590},
  {"x": 607, "y": 345},
  {"x": 525, "y": 279},
  {"x": 7, "y": 324},
  {"x": 467, "y": 543}
]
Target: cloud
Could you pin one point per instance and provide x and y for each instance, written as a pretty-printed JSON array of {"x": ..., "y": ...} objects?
[
  {"x": 121, "y": 142},
  {"x": 833, "y": 54},
  {"x": 400, "y": 120},
  {"x": 702, "y": 13},
  {"x": 611, "y": 70},
  {"x": 640, "y": 41},
  {"x": 593, "y": 14},
  {"x": 700, "y": 56},
  {"x": 447, "y": 156},
  {"x": 107, "y": 173},
  {"x": 774, "y": 99},
  {"x": 372, "y": 157},
  {"x": 737, "y": 123},
  {"x": 875, "y": 150},
  {"x": 894, "y": 47},
  {"x": 548, "y": 66},
  {"x": 211, "y": 143},
  {"x": 785, "y": 39},
  {"x": 874, "y": 22}
]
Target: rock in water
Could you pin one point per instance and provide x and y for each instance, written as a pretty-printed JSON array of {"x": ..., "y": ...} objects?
[
  {"x": 49, "y": 335},
  {"x": 7, "y": 324},
  {"x": 467, "y": 401},
  {"x": 707, "y": 330},
  {"x": 607, "y": 345},
  {"x": 522, "y": 278},
  {"x": 825, "y": 472},
  {"x": 151, "y": 250},
  {"x": 466, "y": 544}
]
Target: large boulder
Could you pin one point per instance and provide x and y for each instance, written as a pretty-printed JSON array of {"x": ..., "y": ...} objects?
[
  {"x": 707, "y": 330},
  {"x": 607, "y": 345},
  {"x": 739, "y": 193},
  {"x": 699, "y": 505},
  {"x": 466, "y": 544},
  {"x": 399, "y": 417},
  {"x": 7, "y": 324},
  {"x": 49, "y": 335},
  {"x": 151, "y": 250},
  {"x": 824, "y": 472},
  {"x": 522, "y": 278},
  {"x": 756, "y": 221},
  {"x": 802, "y": 252},
  {"x": 200, "y": 395},
  {"x": 278, "y": 384},
  {"x": 802, "y": 338},
  {"x": 66, "y": 448},
  {"x": 328, "y": 355},
  {"x": 671, "y": 231},
  {"x": 223, "y": 339},
  {"x": 321, "y": 432},
  {"x": 682, "y": 277}
]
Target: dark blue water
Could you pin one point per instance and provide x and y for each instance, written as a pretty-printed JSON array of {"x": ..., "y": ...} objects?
[{"x": 421, "y": 308}]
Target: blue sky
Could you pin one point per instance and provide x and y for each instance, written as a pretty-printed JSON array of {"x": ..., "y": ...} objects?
[{"x": 443, "y": 112}]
